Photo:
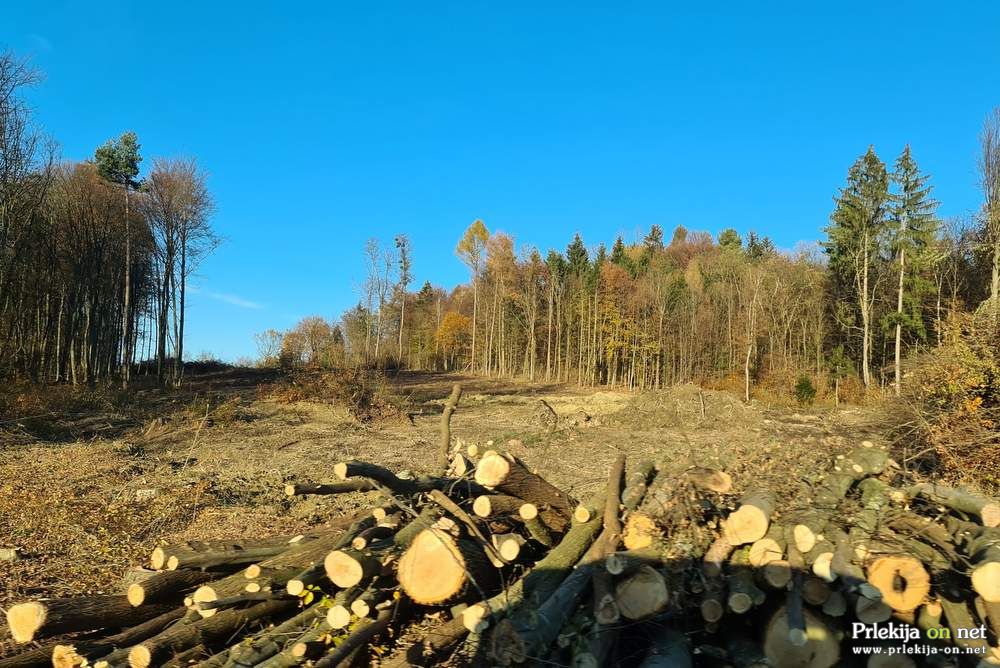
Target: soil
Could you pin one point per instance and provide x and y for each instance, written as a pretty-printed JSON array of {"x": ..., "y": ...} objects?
[{"x": 85, "y": 506}]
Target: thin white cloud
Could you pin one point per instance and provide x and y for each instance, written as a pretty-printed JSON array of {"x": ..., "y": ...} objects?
[
  {"x": 40, "y": 42},
  {"x": 235, "y": 300}
]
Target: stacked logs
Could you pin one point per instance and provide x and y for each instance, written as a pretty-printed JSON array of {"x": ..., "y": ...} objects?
[{"x": 488, "y": 563}]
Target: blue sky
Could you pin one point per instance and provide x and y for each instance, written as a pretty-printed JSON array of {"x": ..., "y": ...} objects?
[{"x": 324, "y": 124}]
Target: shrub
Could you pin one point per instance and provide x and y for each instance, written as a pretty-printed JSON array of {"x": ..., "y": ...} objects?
[
  {"x": 805, "y": 391},
  {"x": 947, "y": 419}
]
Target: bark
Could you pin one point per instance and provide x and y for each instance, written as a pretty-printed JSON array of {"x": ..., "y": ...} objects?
[{"x": 38, "y": 619}]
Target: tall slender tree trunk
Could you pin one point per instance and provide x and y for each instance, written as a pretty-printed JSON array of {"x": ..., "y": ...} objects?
[
  {"x": 475, "y": 315},
  {"x": 548, "y": 343},
  {"x": 126, "y": 311},
  {"x": 899, "y": 323},
  {"x": 865, "y": 317}
]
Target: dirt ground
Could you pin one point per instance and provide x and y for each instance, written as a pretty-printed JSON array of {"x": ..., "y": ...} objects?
[{"x": 211, "y": 461}]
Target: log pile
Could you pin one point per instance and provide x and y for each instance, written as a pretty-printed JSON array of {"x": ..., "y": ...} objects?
[{"x": 665, "y": 565}]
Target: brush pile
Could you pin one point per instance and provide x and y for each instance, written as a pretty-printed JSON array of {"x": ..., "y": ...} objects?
[{"x": 487, "y": 563}]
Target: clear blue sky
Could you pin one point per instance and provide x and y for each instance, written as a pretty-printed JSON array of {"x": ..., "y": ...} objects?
[{"x": 323, "y": 124}]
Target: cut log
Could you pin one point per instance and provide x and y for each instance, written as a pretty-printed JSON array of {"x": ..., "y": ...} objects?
[
  {"x": 636, "y": 484},
  {"x": 769, "y": 548},
  {"x": 987, "y": 510},
  {"x": 642, "y": 594},
  {"x": 806, "y": 532},
  {"x": 902, "y": 580},
  {"x": 444, "y": 444},
  {"x": 437, "y": 568},
  {"x": 45, "y": 655},
  {"x": 605, "y": 605},
  {"x": 777, "y": 574},
  {"x": 490, "y": 505},
  {"x": 272, "y": 641},
  {"x": 165, "y": 585},
  {"x": 349, "y": 567},
  {"x": 338, "y": 616},
  {"x": 302, "y": 489},
  {"x": 743, "y": 593},
  {"x": 179, "y": 637},
  {"x": 716, "y": 555},
  {"x": 629, "y": 561},
  {"x": 363, "y": 634},
  {"x": 960, "y": 621},
  {"x": 404, "y": 486},
  {"x": 751, "y": 520},
  {"x": 815, "y": 591},
  {"x": 528, "y": 512},
  {"x": 821, "y": 648},
  {"x": 835, "y": 605},
  {"x": 871, "y": 611},
  {"x": 540, "y": 582},
  {"x": 235, "y": 585},
  {"x": 475, "y": 533},
  {"x": 508, "y": 545},
  {"x": 510, "y": 476},
  {"x": 39, "y": 619}
]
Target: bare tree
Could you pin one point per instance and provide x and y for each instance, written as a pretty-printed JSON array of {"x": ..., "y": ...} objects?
[{"x": 989, "y": 180}]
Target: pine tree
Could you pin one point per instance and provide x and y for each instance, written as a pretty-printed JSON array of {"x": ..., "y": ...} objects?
[
  {"x": 913, "y": 228},
  {"x": 855, "y": 239}
]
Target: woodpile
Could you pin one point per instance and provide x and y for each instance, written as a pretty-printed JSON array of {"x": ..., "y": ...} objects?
[{"x": 666, "y": 564}]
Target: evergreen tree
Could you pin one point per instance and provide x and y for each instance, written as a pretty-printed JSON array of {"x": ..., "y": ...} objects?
[
  {"x": 729, "y": 239},
  {"x": 913, "y": 229},
  {"x": 855, "y": 240},
  {"x": 618, "y": 254},
  {"x": 576, "y": 255}
]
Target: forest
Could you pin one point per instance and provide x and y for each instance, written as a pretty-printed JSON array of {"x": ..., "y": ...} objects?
[
  {"x": 94, "y": 261},
  {"x": 887, "y": 282}
]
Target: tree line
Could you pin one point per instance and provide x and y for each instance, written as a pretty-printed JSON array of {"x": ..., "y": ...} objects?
[
  {"x": 883, "y": 284},
  {"x": 94, "y": 258}
]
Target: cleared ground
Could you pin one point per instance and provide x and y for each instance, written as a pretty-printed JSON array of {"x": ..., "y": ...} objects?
[{"x": 86, "y": 505}]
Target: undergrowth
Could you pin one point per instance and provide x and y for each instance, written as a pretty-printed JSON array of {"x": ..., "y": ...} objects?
[{"x": 947, "y": 423}]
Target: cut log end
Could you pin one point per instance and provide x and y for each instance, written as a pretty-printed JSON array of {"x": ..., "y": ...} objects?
[
  {"x": 528, "y": 511},
  {"x": 902, "y": 580},
  {"x": 340, "y": 470},
  {"x": 140, "y": 657},
  {"x": 642, "y": 594},
  {"x": 804, "y": 537},
  {"x": 492, "y": 470},
  {"x": 344, "y": 569},
  {"x": 482, "y": 507},
  {"x": 986, "y": 581},
  {"x": 158, "y": 559},
  {"x": 24, "y": 620},
  {"x": 746, "y": 525},
  {"x": 136, "y": 594},
  {"x": 433, "y": 569},
  {"x": 990, "y": 515},
  {"x": 338, "y": 617},
  {"x": 66, "y": 656},
  {"x": 764, "y": 551},
  {"x": 204, "y": 594}
]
